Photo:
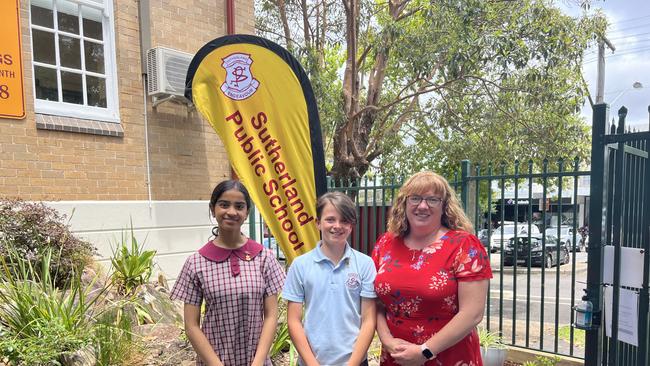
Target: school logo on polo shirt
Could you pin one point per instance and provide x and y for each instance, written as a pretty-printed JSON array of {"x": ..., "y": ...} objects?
[{"x": 353, "y": 281}]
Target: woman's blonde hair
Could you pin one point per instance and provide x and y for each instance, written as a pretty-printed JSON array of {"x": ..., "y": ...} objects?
[{"x": 453, "y": 216}]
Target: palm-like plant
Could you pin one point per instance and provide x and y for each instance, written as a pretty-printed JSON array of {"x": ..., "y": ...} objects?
[{"x": 132, "y": 265}]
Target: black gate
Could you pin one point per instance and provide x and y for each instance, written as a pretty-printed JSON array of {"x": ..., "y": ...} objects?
[{"x": 619, "y": 217}]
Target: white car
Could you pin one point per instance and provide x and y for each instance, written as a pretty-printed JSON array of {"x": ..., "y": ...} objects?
[{"x": 497, "y": 238}]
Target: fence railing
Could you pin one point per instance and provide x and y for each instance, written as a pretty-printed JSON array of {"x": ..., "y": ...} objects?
[
  {"x": 621, "y": 222},
  {"x": 512, "y": 207}
]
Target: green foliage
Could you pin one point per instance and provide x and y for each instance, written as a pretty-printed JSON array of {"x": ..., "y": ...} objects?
[
  {"x": 33, "y": 229},
  {"x": 488, "y": 339},
  {"x": 132, "y": 266},
  {"x": 282, "y": 341},
  {"x": 435, "y": 82},
  {"x": 53, "y": 341},
  {"x": 543, "y": 361},
  {"x": 293, "y": 355},
  {"x": 113, "y": 340},
  {"x": 40, "y": 322}
]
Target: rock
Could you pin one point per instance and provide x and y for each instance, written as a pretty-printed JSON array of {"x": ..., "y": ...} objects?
[
  {"x": 161, "y": 309},
  {"x": 83, "y": 357}
]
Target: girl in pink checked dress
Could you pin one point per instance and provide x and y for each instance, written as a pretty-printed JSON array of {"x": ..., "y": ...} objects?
[{"x": 238, "y": 280}]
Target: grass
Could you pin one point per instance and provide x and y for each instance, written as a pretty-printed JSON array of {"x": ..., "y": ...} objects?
[{"x": 564, "y": 333}]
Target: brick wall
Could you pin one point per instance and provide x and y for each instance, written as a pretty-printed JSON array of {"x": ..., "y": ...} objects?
[{"x": 186, "y": 156}]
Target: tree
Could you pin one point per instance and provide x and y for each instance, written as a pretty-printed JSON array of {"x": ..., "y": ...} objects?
[{"x": 413, "y": 84}]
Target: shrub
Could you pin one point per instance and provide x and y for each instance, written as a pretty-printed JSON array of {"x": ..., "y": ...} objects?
[
  {"x": 543, "y": 361},
  {"x": 31, "y": 229},
  {"x": 40, "y": 322},
  {"x": 46, "y": 349}
]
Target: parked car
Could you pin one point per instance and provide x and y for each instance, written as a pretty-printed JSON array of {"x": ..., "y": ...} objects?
[
  {"x": 269, "y": 242},
  {"x": 509, "y": 231},
  {"x": 483, "y": 237},
  {"x": 540, "y": 255},
  {"x": 566, "y": 236},
  {"x": 552, "y": 221},
  {"x": 272, "y": 244}
]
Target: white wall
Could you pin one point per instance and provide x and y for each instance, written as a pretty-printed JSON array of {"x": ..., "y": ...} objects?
[{"x": 175, "y": 229}]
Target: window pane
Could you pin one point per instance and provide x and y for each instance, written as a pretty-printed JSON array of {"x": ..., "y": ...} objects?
[
  {"x": 92, "y": 19},
  {"x": 42, "y": 16},
  {"x": 96, "y": 91},
  {"x": 43, "y": 44},
  {"x": 45, "y": 83},
  {"x": 94, "y": 57},
  {"x": 67, "y": 16},
  {"x": 72, "y": 88},
  {"x": 69, "y": 52}
]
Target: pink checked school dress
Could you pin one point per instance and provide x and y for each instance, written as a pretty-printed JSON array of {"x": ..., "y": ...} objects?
[
  {"x": 233, "y": 285},
  {"x": 419, "y": 290}
]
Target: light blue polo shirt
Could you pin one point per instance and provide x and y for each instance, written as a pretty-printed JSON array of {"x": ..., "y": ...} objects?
[{"x": 332, "y": 300}]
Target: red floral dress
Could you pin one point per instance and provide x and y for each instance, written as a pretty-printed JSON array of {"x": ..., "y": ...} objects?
[{"x": 419, "y": 290}]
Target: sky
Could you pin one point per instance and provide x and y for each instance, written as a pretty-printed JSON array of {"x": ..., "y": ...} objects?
[{"x": 629, "y": 32}]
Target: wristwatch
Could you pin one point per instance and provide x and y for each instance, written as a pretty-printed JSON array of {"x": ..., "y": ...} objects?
[{"x": 426, "y": 352}]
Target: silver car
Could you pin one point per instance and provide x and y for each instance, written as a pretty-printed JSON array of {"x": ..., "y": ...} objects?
[{"x": 566, "y": 237}]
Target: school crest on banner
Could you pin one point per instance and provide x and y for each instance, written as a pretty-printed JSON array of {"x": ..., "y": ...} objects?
[{"x": 240, "y": 83}]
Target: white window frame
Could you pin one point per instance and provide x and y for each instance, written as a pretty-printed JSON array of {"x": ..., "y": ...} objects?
[{"x": 60, "y": 108}]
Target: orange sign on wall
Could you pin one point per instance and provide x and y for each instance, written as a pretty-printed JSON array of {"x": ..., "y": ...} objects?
[{"x": 12, "y": 100}]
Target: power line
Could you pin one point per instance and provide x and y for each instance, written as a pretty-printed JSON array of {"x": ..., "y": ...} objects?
[
  {"x": 627, "y": 36},
  {"x": 626, "y": 52},
  {"x": 632, "y": 19},
  {"x": 619, "y": 30},
  {"x": 620, "y": 46}
]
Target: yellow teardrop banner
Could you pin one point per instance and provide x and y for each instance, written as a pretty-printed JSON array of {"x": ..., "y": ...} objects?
[{"x": 259, "y": 100}]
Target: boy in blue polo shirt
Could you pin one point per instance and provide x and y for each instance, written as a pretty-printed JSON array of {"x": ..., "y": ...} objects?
[{"x": 335, "y": 284}]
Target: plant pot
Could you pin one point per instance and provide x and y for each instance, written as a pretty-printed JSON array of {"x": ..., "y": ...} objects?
[{"x": 494, "y": 356}]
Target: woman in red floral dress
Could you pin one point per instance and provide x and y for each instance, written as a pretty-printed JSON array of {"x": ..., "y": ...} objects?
[{"x": 432, "y": 279}]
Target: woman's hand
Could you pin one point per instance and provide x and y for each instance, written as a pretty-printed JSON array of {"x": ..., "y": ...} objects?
[
  {"x": 408, "y": 354},
  {"x": 395, "y": 345}
]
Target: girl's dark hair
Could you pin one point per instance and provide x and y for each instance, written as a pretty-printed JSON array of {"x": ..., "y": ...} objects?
[
  {"x": 341, "y": 202},
  {"x": 227, "y": 185}
]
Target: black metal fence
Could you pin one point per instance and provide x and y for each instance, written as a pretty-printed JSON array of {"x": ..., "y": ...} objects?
[
  {"x": 511, "y": 208},
  {"x": 535, "y": 222},
  {"x": 620, "y": 221}
]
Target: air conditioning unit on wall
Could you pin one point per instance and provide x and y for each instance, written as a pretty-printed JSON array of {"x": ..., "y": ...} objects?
[{"x": 167, "y": 69}]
